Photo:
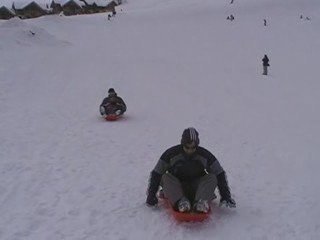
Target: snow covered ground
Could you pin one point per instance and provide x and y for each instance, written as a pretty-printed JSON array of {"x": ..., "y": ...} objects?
[{"x": 68, "y": 174}]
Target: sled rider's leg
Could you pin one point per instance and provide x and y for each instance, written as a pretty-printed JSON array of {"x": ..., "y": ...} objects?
[
  {"x": 206, "y": 187},
  {"x": 172, "y": 188}
]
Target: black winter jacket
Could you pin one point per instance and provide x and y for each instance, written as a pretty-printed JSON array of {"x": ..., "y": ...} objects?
[
  {"x": 187, "y": 168},
  {"x": 115, "y": 100},
  {"x": 265, "y": 61}
]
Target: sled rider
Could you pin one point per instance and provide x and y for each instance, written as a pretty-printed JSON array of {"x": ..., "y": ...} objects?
[
  {"x": 113, "y": 104},
  {"x": 188, "y": 175}
]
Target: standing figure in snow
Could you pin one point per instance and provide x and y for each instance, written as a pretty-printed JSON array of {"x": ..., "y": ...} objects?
[
  {"x": 264, "y": 22},
  {"x": 114, "y": 12},
  {"x": 113, "y": 104},
  {"x": 265, "y": 63},
  {"x": 188, "y": 175}
]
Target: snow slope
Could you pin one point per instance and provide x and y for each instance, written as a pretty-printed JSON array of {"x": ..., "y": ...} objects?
[{"x": 68, "y": 174}]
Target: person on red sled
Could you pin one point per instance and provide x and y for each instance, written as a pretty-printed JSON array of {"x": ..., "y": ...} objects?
[
  {"x": 113, "y": 104},
  {"x": 188, "y": 175}
]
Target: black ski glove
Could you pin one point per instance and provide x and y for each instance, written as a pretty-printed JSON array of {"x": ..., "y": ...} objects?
[
  {"x": 154, "y": 182},
  {"x": 228, "y": 202}
]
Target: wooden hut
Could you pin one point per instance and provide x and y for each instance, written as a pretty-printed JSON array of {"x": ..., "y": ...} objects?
[
  {"x": 72, "y": 8},
  {"x": 95, "y": 6},
  {"x": 111, "y": 7},
  {"x": 6, "y": 13},
  {"x": 31, "y": 10},
  {"x": 56, "y": 7}
]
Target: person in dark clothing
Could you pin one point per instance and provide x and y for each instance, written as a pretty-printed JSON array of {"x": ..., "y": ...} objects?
[
  {"x": 188, "y": 175},
  {"x": 265, "y": 63},
  {"x": 113, "y": 104}
]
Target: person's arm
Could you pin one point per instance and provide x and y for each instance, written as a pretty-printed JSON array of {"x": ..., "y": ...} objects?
[
  {"x": 223, "y": 187},
  {"x": 154, "y": 182},
  {"x": 104, "y": 102},
  {"x": 156, "y": 174},
  {"x": 224, "y": 190},
  {"x": 155, "y": 179},
  {"x": 122, "y": 104}
]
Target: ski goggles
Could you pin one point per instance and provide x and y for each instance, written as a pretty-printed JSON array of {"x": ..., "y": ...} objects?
[{"x": 189, "y": 148}]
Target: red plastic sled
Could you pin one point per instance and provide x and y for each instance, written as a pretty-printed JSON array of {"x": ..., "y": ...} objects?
[
  {"x": 185, "y": 217},
  {"x": 112, "y": 117}
]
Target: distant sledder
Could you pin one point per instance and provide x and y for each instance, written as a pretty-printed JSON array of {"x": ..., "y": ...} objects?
[
  {"x": 188, "y": 175},
  {"x": 112, "y": 107}
]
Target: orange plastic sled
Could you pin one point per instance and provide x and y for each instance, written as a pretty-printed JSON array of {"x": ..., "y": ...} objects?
[{"x": 112, "y": 117}]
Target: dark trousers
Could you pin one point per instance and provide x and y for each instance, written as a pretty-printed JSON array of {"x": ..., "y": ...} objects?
[
  {"x": 200, "y": 188},
  {"x": 265, "y": 70}
]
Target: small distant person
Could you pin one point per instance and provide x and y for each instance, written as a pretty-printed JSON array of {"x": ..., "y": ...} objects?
[
  {"x": 109, "y": 17},
  {"x": 231, "y": 17},
  {"x": 113, "y": 104},
  {"x": 265, "y": 22},
  {"x": 265, "y": 63},
  {"x": 301, "y": 16},
  {"x": 114, "y": 12}
]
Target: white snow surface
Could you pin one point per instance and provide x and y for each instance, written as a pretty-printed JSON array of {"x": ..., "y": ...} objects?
[{"x": 68, "y": 174}]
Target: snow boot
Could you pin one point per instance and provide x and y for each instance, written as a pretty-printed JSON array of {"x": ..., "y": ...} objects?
[
  {"x": 201, "y": 206},
  {"x": 184, "y": 205}
]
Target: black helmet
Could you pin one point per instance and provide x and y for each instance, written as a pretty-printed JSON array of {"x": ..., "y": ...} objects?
[
  {"x": 111, "y": 90},
  {"x": 190, "y": 135}
]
